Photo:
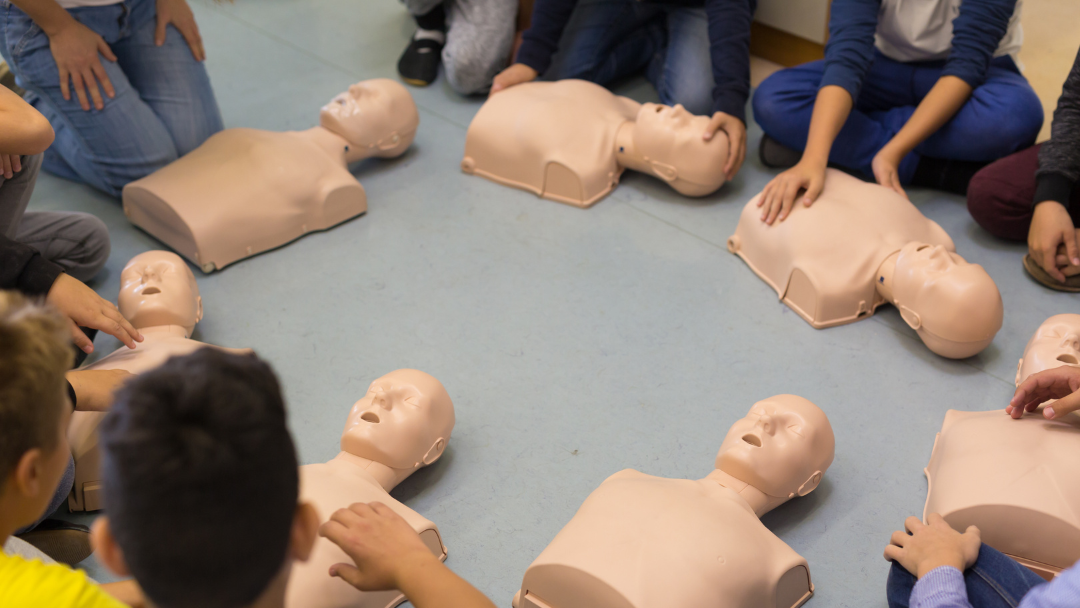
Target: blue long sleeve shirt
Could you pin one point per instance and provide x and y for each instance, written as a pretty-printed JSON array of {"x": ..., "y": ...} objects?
[
  {"x": 977, "y": 33},
  {"x": 944, "y": 588},
  {"x": 729, "y": 46}
]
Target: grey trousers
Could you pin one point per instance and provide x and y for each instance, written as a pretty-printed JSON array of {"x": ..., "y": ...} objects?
[
  {"x": 479, "y": 37},
  {"x": 78, "y": 242}
]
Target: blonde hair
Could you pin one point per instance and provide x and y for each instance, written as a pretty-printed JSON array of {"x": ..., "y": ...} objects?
[{"x": 35, "y": 353}]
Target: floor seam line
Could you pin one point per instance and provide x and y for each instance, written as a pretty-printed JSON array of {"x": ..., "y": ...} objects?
[{"x": 675, "y": 226}]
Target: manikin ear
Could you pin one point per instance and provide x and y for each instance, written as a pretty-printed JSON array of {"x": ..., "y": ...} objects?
[
  {"x": 389, "y": 142},
  {"x": 809, "y": 485},
  {"x": 435, "y": 452},
  {"x": 664, "y": 171},
  {"x": 198, "y": 309},
  {"x": 910, "y": 317},
  {"x": 304, "y": 533},
  {"x": 106, "y": 549}
]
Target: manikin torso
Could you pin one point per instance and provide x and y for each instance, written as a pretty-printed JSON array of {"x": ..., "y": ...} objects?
[
  {"x": 245, "y": 191},
  {"x": 824, "y": 261},
  {"x": 158, "y": 345},
  {"x": 1015, "y": 479},
  {"x": 640, "y": 541},
  {"x": 555, "y": 139},
  {"x": 335, "y": 485}
]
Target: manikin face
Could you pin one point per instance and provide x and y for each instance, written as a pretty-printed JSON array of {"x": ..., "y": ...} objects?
[
  {"x": 671, "y": 139},
  {"x": 377, "y": 113},
  {"x": 1055, "y": 343},
  {"x": 404, "y": 421},
  {"x": 157, "y": 288},
  {"x": 782, "y": 447},
  {"x": 955, "y": 306}
]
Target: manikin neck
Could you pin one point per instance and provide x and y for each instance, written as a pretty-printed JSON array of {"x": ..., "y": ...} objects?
[
  {"x": 387, "y": 477},
  {"x": 164, "y": 331},
  {"x": 626, "y": 152},
  {"x": 759, "y": 501},
  {"x": 885, "y": 274},
  {"x": 336, "y": 146}
]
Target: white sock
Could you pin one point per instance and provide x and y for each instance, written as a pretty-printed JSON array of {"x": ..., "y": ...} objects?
[{"x": 436, "y": 35}]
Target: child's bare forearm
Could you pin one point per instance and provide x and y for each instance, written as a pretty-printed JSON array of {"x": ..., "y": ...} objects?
[
  {"x": 943, "y": 101},
  {"x": 433, "y": 585},
  {"x": 24, "y": 130},
  {"x": 831, "y": 109}
]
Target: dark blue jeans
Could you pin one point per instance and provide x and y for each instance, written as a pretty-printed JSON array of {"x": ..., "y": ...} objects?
[
  {"x": 1002, "y": 116},
  {"x": 995, "y": 581},
  {"x": 607, "y": 40}
]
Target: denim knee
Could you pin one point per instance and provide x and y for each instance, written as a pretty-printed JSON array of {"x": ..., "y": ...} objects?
[
  {"x": 1021, "y": 123},
  {"x": 898, "y": 588},
  {"x": 767, "y": 101},
  {"x": 694, "y": 94}
]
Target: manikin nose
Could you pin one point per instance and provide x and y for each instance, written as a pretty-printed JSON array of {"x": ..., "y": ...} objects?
[
  {"x": 765, "y": 421},
  {"x": 382, "y": 400},
  {"x": 1071, "y": 341}
]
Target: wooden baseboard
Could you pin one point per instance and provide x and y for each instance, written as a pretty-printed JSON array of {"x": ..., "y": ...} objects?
[{"x": 781, "y": 47}]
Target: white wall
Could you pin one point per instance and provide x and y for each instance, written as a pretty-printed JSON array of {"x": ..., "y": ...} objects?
[{"x": 807, "y": 19}]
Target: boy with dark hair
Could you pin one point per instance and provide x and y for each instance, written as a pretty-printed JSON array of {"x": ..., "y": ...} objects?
[
  {"x": 202, "y": 488},
  {"x": 34, "y": 414}
]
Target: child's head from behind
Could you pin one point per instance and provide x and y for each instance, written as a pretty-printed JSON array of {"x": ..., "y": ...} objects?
[
  {"x": 201, "y": 483},
  {"x": 35, "y": 353}
]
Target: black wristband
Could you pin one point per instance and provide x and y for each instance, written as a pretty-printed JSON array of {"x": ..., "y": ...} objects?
[{"x": 71, "y": 395}]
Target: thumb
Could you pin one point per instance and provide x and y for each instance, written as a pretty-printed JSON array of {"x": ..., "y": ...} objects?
[
  {"x": 159, "y": 31},
  {"x": 714, "y": 124},
  {"x": 348, "y": 573},
  {"x": 106, "y": 52},
  {"x": 1071, "y": 248},
  {"x": 813, "y": 190},
  {"x": 81, "y": 341},
  {"x": 974, "y": 531},
  {"x": 1057, "y": 409}
]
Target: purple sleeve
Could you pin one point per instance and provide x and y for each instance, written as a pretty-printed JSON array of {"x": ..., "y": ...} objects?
[
  {"x": 941, "y": 588},
  {"x": 1062, "y": 592}
]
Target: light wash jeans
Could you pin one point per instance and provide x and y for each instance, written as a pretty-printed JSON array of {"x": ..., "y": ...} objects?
[
  {"x": 164, "y": 105},
  {"x": 607, "y": 40}
]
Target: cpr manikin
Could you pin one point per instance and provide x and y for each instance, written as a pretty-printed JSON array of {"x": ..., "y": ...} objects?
[
  {"x": 1016, "y": 479},
  {"x": 569, "y": 141},
  {"x": 862, "y": 245},
  {"x": 245, "y": 191},
  {"x": 402, "y": 423},
  {"x": 640, "y": 541},
  {"x": 158, "y": 294}
]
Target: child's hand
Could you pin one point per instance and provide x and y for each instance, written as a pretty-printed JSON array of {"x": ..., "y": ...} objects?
[
  {"x": 94, "y": 388},
  {"x": 515, "y": 74},
  {"x": 779, "y": 195},
  {"x": 384, "y": 547},
  {"x": 1061, "y": 383},
  {"x": 931, "y": 546},
  {"x": 886, "y": 166}
]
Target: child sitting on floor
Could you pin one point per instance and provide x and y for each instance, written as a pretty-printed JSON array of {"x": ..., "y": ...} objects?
[
  {"x": 34, "y": 452},
  {"x": 202, "y": 488}
]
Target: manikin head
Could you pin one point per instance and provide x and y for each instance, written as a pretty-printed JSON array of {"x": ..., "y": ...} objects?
[
  {"x": 1055, "y": 343},
  {"x": 157, "y": 288},
  {"x": 782, "y": 447},
  {"x": 670, "y": 139},
  {"x": 376, "y": 115},
  {"x": 954, "y": 306},
  {"x": 404, "y": 421}
]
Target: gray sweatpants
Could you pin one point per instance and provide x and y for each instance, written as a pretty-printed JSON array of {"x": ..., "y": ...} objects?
[
  {"x": 479, "y": 37},
  {"x": 78, "y": 242}
]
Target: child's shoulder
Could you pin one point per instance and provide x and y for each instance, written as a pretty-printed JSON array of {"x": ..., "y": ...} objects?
[{"x": 30, "y": 583}]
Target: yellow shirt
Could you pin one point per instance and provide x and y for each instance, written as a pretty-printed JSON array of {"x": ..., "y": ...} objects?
[{"x": 32, "y": 584}]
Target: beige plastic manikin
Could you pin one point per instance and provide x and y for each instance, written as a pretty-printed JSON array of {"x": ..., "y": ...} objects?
[
  {"x": 402, "y": 423},
  {"x": 640, "y": 541},
  {"x": 1016, "y": 479},
  {"x": 246, "y": 191},
  {"x": 569, "y": 141},
  {"x": 158, "y": 294},
  {"x": 862, "y": 245}
]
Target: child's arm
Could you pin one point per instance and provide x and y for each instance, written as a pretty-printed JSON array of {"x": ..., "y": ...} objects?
[
  {"x": 25, "y": 131},
  {"x": 389, "y": 554}
]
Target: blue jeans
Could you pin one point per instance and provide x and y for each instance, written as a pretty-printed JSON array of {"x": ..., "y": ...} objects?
[
  {"x": 606, "y": 40},
  {"x": 164, "y": 105},
  {"x": 1002, "y": 116},
  {"x": 995, "y": 581}
]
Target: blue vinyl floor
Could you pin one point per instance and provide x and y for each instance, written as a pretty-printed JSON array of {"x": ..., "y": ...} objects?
[{"x": 574, "y": 343}]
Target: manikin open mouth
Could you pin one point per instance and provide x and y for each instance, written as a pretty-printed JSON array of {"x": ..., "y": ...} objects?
[
  {"x": 149, "y": 291},
  {"x": 1070, "y": 359},
  {"x": 371, "y": 417},
  {"x": 752, "y": 439}
]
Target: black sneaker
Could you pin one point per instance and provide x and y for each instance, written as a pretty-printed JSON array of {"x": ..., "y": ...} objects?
[
  {"x": 776, "y": 155},
  {"x": 66, "y": 542},
  {"x": 419, "y": 64}
]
